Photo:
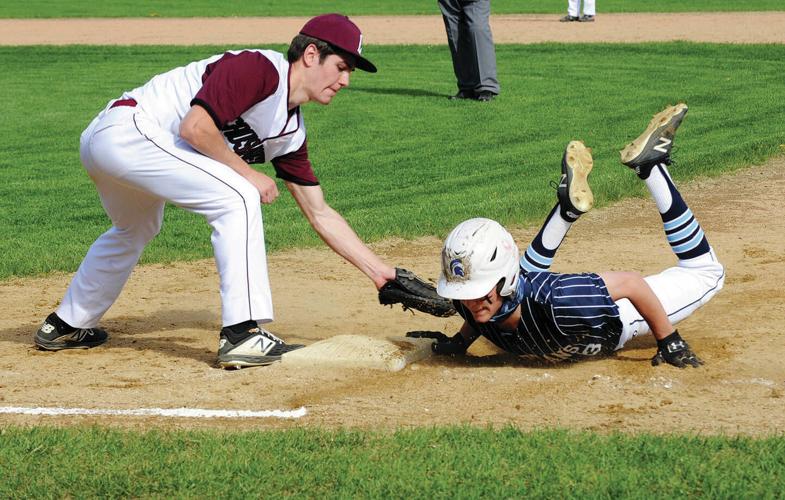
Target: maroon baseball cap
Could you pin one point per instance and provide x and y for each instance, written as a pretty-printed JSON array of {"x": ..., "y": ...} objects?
[{"x": 340, "y": 32}]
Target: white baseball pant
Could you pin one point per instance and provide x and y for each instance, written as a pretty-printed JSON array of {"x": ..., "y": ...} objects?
[
  {"x": 681, "y": 290},
  {"x": 137, "y": 167},
  {"x": 574, "y": 8}
]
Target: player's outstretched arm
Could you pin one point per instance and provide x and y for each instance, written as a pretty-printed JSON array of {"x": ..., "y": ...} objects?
[
  {"x": 671, "y": 348},
  {"x": 632, "y": 286},
  {"x": 333, "y": 229}
]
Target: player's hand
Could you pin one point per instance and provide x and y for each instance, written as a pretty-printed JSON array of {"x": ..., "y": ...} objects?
[
  {"x": 444, "y": 345},
  {"x": 266, "y": 186},
  {"x": 675, "y": 351}
]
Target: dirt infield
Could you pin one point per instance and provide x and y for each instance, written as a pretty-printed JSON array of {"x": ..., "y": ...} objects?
[
  {"x": 733, "y": 27},
  {"x": 163, "y": 328}
]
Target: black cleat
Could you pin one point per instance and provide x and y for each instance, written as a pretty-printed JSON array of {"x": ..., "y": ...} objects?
[
  {"x": 574, "y": 194},
  {"x": 463, "y": 94},
  {"x": 653, "y": 147},
  {"x": 53, "y": 336},
  {"x": 485, "y": 96}
]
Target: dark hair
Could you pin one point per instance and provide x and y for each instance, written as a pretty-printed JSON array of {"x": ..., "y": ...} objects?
[{"x": 300, "y": 42}]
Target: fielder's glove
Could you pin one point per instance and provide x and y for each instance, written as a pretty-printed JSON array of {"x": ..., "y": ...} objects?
[
  {"x": 444, "y": 344},
  {"x": 675, "y": 351},
  {"x": 412, "y": 292}
]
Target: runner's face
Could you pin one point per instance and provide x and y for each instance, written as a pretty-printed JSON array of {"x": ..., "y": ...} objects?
[
  {"x": 330, "y": 76},
  {"x": 485, "y": 307}
]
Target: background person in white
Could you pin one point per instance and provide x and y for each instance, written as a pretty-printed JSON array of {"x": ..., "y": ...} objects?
[
  {"x": 574, "y": 11},
  {"x": 188, "y": 137}
]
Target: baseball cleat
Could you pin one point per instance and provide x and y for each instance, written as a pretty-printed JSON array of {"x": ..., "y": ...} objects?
[
  {"x": 574, "y": 194},
  {"x": 462, "y": 94},
  {"x": 50, "y": 337},
  {"x": 260, "y": 348},
  {"x": 653, "y": 147}
]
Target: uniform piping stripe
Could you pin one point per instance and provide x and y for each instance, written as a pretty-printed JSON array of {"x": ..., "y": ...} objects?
[
  {"x": 529, "y": 266},
  {"x": 684, "y": 240},
  {"x": 680, "y": 226},
  {"x": 245, "y": 208},
  {"x": 694, "y": 242},
  {"x": 683, "y": 233},
  {"x": 545, "y": 342},
  {"x": 537, "y": 258},
  {"x": 523, "y": 337},
  {"x": 584, "y": 326},
  {"x": 569, "y": 278},
  {"x": 558, "y": 329},
  {"x": 690, "y": 304},
  {"x": 574, "y": 286},
  {"x": 678, "y": 220},
  {"x": 583, "y": 316}
]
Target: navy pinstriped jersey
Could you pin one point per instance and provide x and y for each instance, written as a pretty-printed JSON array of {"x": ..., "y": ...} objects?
[{"x": 563, "y": 317}]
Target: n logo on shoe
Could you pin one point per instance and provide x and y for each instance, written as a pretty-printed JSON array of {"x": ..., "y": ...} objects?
[
  {"x": 663, "y": 145},
  {"x": 80, "y": 335}
]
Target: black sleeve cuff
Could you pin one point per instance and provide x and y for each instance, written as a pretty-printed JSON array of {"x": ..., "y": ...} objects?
[
  {"x": 302, "y": 182},
  {"x": 199, "y": 102}
]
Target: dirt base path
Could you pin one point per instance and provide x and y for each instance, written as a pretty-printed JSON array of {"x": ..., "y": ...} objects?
[
  {"x": 163, "y": 343},
  {"x": 163, "y": 328},
  {"x": 732, "y": 27}
]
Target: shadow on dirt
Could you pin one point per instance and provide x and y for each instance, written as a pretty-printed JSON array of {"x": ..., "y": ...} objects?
[
  {"x": 177, "y": 333},
  {"x": 636, "y": 350}
]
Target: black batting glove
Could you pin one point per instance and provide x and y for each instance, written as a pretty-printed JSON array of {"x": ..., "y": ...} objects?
[
  {"x": 675, "y": 351},
  {"x": 444, "y": 345}
]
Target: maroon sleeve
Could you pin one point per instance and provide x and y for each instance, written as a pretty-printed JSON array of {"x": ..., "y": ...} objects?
[
  {"x": 234, "y": 83},
  {"x": 296, "y": 167}
]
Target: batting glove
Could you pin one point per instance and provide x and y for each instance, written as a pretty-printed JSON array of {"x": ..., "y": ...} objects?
[
  {"x": 675, "y": 351},
  {"x": 444, "y": 345}
]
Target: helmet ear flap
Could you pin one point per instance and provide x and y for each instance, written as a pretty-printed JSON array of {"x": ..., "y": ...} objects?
[{"x": 508, "y": 284}]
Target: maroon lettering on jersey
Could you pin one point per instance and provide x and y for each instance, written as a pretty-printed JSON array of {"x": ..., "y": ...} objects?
[
  {"x": 296, "y": 167},
  {"x": 235, "y": 83}
]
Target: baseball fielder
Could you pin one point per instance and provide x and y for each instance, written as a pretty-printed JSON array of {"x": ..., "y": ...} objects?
[
  {"x": 523, "y": 308},
  {"x": 187, "y": 137}
]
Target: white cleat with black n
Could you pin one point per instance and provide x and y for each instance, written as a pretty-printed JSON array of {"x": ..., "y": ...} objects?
[
  {"x": 258, "y": 348},
  {"x": 574, "y": 194},
  {"x": 653, "y": 146}
]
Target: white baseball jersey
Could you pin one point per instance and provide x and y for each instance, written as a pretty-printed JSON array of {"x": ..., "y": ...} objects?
[
  {"x": 134, "y": 154},
  {"x": 246, "y": 93}
]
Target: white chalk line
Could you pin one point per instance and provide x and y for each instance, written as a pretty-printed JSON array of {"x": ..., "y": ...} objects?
[{"x": 157, "y": 412}]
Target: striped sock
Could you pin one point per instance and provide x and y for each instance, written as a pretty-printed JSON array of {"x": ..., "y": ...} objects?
[
  {"x": 684, "y": 234},
  {"x": 539, "y": 256}
]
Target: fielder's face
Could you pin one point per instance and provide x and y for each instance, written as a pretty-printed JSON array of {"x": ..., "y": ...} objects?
[
  {"x": 484, "y": 308},
  {"x": 328, "y": 78}
]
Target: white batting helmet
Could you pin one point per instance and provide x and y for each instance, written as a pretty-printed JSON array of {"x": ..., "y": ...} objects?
[{"x": 476, "y": 255}]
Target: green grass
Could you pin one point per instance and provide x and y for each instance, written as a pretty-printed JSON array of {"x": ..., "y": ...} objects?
[
  {"x": 240, "y": 8},
  {"x": 394, "y": 156},
  {"x": 426, "y": 463}
]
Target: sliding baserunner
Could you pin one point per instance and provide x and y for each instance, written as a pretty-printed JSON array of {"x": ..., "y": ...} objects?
[{"x": 523, "y": 308}]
